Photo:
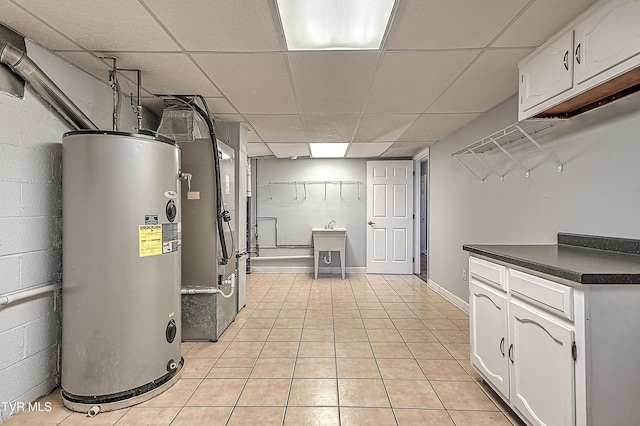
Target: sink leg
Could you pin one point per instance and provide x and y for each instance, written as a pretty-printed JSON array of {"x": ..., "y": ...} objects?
[
  {"x": 316, "y": 259},
  {"x": 342, "y": 265}
]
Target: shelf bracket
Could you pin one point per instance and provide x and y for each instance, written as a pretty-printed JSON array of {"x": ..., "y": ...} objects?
[
  {"x": 325, "y": 189},
  {"x": 340, "y": 189},
  {"x": 487, "y": 164},
  {"x": 527, "y": 172},
  {"x": 358, "y": 190},
  {"x": 468, "y": 168},
  {"x": 271, "y": 190},
  {"x": 547, "y": 154},
  {"x": 295, "y": 184}
]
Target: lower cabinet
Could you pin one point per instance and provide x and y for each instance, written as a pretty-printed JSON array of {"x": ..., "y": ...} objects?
[
  {"x": 559, "y": 353},
  {"x": 489, "y": 337},
  {"x": 542, "y": 367},
  {"x": 524, "y": 353}
]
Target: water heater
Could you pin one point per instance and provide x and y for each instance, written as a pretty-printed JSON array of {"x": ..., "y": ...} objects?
[{"x": 121, "y": 317}]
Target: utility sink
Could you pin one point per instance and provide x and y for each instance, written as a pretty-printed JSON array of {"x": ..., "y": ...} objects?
[{"x": 329, "y": 239}]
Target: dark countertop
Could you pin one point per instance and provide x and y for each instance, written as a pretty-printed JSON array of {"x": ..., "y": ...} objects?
[{"x": 582, "y": 259}]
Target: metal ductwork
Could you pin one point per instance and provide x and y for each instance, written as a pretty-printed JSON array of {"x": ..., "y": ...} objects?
[{"x": 22, "y": 65}]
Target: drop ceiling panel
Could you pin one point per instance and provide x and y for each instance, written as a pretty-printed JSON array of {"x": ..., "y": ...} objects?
[
  {"x": 450, "y": 24},
  {"x": 255, "y": 83},
  {"x": 220, "y": 106},
  {"x": 408, "y": 82},
  {"x": 115, "y": 25},
  {"x": 332, "y": 82},
  {"x": 490, "y": 80},
  {"x": 432, "y": 127},
  {"x": 406, "y": 149},
  {"x": 258, "y": 150},
  {"x": 367, "y": 149},
  {"x": 24, "y": 23},
  {"x": 172, "y": 73},
  {"x": 252, "y": 136},
  {"x": 286, "y": 150},
  {"x": 329, "y": 128},
  {"x": 379, "y": 128},
  {"x": 219, "y": 25},
  {"x": 278, "y": 128},
  {"x": 541, "y": 21}
]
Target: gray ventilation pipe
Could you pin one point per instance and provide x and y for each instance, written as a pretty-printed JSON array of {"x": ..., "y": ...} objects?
[{"x": 23, "y": 66}]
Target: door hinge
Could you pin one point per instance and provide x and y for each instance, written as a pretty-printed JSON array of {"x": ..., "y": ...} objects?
[
  {"x": 413, "y": 259},
  {"x": 574, "y": 351},
  {"x": 414, "y": 215}
]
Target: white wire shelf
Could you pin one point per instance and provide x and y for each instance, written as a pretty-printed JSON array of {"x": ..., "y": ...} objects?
[
  {"x": 304, "y": 184},
  {"x": 505, "y": 140}
]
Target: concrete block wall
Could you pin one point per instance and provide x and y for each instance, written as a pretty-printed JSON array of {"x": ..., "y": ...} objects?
[{"x": 31, "y": 224}]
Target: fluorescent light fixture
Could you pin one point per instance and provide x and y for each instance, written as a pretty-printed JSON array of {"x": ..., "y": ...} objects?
[
  {"x": 334, "y": 24},
  {"x": 328, "y": 150}
]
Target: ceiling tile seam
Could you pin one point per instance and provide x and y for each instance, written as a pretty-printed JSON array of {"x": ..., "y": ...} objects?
[
  {"x": 424, "y": 111},
  {"x": 287, "y": 64},
  {"x": 473, "y": 61},
  {"x": 366, "y": 99},
  {"x": 36, "y": 17},
  {"x": 188, "y": 55},
  {"x": 511, "y": 22},
  {"x": 390, "y": 23},
  {"x": 275, "y": 14}
]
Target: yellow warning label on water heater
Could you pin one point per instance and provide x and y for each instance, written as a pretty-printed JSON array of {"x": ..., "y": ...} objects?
[{"x": 150, "y": 238}]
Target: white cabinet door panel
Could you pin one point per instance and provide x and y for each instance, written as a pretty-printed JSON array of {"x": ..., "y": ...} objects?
[
  {"x": 488, "y": 329},
  {"x": 542, "y": 374},
  {"x": 609, "y": 36},
  {"x": 548, "y": 73}
]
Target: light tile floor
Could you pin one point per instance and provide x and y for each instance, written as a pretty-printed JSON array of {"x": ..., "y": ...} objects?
[{"x": 368, "y": 350}]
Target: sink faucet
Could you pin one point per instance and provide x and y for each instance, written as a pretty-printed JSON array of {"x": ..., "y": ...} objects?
[{"x": 330, "y": 224}]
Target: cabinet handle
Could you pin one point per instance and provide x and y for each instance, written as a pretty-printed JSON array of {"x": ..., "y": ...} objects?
[
  {"x": 510, "y": 350},
  {"x": 565, "y": 61},
  {"x": 578, "y": 53},
  {"x": 502, "y": 346}
]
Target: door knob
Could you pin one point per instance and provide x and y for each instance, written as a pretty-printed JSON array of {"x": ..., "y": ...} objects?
[{"x": 371, "y": 223}]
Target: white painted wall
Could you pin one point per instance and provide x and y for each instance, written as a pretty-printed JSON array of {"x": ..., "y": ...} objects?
[
  {"x": 297, "y": 217},
  {"x": 31, "y": 224},
  {"x": 597, "y": 193}
]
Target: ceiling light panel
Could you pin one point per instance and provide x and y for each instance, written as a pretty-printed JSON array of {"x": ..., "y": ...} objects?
[
  {"x": 328, "y": 150},
  {"x": 334, "y": 24}
]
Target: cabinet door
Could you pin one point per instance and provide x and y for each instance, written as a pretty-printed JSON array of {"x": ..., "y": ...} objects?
[
  {"x": 610, "y": 36},
  {"x": 547, "y": 74},
  {"x": 542, "y": 370},
  {"x": 488, "y": 328}
]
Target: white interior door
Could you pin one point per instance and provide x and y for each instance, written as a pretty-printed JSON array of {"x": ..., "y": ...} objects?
[{"x": 390, "y": 217}]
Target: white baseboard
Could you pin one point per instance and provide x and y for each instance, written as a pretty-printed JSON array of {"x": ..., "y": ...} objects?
[
  {"x": 449, "y": 296},
  {"x": 305, "y": 270}
]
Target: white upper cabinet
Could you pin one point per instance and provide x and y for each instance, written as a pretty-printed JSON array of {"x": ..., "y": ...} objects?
[
  {"x": 605, "y": 39},
  {"x": 594, "y": 57},
  {"x": 547, "y": 74}
]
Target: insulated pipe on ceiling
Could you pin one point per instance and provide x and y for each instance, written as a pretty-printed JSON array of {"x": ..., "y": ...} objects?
[{"x": 22, "y": 65}]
